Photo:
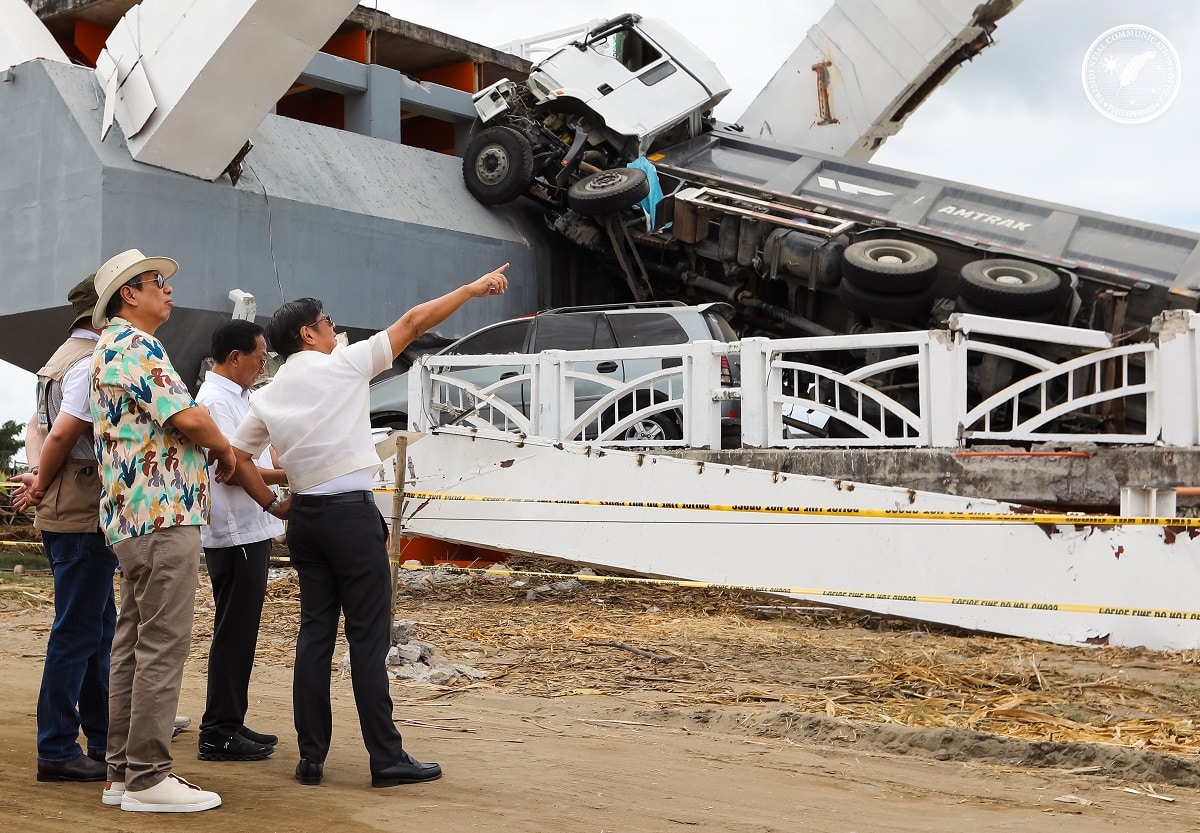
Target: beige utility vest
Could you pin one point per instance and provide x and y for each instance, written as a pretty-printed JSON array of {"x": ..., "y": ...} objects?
[{"x": 72, "y": 501}]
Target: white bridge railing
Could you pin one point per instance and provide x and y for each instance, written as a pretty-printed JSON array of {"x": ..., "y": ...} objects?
[{"x": 982, "y": 380}]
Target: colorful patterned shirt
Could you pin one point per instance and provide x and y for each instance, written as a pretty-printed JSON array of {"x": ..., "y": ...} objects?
[{"x": 153, "y": 477}]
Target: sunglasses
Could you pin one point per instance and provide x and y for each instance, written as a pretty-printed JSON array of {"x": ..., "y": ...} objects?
[
  {"x": 317, "y": 323},
  {"x": 158, "y": 279}
]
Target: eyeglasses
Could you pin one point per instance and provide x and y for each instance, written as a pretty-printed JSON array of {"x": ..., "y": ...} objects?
[
  {"x": 317, "y": 323},
  {"x": 157, "y": 279}
]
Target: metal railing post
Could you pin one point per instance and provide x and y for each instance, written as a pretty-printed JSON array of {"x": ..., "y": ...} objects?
[
  {"x": 1173, "y": 372},
  {"x": 545, "y": 411},
  {"x": 756, "y": 399},
  {"x": 943, "y": 402},
  {"x": 701, "y": 395}
]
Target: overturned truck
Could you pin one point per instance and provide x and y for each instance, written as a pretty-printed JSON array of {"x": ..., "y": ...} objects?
[{"x": 681, "y": 207}]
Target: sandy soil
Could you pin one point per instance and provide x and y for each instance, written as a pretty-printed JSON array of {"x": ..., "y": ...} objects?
[{"x": 722, "y": 722}]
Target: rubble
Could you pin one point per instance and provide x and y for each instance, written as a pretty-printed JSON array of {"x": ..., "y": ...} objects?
[{"x": 419, "y": 661}]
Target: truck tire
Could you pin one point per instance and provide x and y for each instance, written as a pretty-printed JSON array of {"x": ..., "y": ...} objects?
[
  {"x": 910, "y": 308},
  {"x": 608, "y": 191},
  {"x": 889, "y": 266},
  {"x": 1009, "y": 288},
  {"x": 498, "y": 165}
]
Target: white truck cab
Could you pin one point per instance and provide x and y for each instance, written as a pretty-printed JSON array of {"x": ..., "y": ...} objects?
[{"x": 593, "y": 105}]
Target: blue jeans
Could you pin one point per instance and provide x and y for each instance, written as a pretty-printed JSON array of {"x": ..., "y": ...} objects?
[{"x": 77, "y": 654}]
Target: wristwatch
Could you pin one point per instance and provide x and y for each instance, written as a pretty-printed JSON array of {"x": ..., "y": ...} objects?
[{"x": 271, "y": 505}]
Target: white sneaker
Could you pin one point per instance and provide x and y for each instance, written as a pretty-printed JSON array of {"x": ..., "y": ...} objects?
[
  {"x": 113, "y": 791},
  {"x": 170, "y": 795},
  {"x": 182, "y": 721}
]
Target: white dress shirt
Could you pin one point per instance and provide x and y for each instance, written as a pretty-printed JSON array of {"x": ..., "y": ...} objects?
[
  {"x": 316, "y": 414},
  {"x": 235, "y": 518}
]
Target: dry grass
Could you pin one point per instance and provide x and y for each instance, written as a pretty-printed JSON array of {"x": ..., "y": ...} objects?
[
  {"x": 671, "y": 647},
  {"x": 681, "y": 648}
]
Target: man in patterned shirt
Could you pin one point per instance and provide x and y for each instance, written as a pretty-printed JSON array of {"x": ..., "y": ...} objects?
[{"x": 150, "y": 439}]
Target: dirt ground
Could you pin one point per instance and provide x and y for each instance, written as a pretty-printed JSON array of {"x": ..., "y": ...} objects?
[{"x": 627, "y": 707}]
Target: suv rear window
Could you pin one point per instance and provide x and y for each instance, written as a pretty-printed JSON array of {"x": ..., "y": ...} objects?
[
  {"x": 503, "y": 338},
  {"x": 719, "y": 327},
  {"x": 647, "y": 328},
  {"x": 575, "y": 331}
]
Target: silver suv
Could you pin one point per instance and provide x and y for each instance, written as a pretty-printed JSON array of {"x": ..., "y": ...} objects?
[{"x": 583, "y": 328}]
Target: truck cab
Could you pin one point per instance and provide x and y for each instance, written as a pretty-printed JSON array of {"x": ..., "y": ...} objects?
[{"x": 593, "y": 105}]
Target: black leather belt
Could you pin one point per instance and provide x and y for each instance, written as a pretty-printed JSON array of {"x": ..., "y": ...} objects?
[{"x": 333, "y": 500}]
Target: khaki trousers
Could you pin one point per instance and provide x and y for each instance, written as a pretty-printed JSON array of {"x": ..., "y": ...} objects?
[{"x": 159, "y": 574}]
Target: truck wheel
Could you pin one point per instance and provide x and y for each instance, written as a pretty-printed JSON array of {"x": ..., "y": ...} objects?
[
  {"x": 1010, "y": 288},
  {"x": 607, "y": 191},
  {"x": 498, "y": 165},
  {"x": 912, "y": 307},
  {"x": 890, "y": 266}
]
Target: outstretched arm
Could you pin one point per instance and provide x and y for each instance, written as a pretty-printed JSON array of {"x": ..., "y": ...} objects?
[{"x": 431, "y": 313}]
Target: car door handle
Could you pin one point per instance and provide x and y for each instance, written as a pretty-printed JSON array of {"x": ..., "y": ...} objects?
[
  {"x": 606, "y": 367},
  {"x": 508, "y": 375}
]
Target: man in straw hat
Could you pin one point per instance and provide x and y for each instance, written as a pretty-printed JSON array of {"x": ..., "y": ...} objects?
[
  {"x": 64, "y": 485},
  {"x": 315, "y": 414},
  {"x": 150, "y": 438}
]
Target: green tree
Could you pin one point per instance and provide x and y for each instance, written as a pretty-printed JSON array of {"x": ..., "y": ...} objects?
[{"x": 10, "y": 444}]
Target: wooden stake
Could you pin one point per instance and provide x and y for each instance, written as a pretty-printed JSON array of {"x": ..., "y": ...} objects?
[{"x": 397, "y": 508}]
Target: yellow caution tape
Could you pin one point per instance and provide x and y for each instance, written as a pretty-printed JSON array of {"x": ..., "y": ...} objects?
[
  {"x": 20, "y": 543},
  {"x": 1067, "y": 518},
  {"x": 1061, "y": 607}
]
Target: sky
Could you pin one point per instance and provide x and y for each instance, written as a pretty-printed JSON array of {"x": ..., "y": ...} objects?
[{"x": 1015, "y": 119}]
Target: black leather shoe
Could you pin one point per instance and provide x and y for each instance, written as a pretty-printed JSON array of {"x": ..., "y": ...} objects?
[
  {"x": 309, "y": 772},
  {"x": 232, "y": 748},
  {"x": 408, "y": 771},
  {"x": 97, "y": 754},
  {"x": 257, "y": 737},
  {"x": 82, "y": 768}
]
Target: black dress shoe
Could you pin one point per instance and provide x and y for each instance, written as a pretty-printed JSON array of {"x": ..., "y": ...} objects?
[
  {"x": 408, "y": 771},
  {"x": 232, "y": 748},
  {"x": 257, "y": 737},
  {"x": 309, "y": 772},
  {"x": 97, "y": 754},
  {"x": 81, "y": 768}
]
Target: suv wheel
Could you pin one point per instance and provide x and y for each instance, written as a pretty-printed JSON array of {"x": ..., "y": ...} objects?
[{"x": 654, "y": 428}]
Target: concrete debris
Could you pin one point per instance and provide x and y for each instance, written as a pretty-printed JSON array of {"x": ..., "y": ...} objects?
[
  {"x": 413, "y": 659},
  {"x": 400, "y": 654},
  {"x": 420, "y": 661},
  {"x": 402, "y": 631}
]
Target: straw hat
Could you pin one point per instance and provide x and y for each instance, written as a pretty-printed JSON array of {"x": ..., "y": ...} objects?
[{"x": 120, "y": 268}]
